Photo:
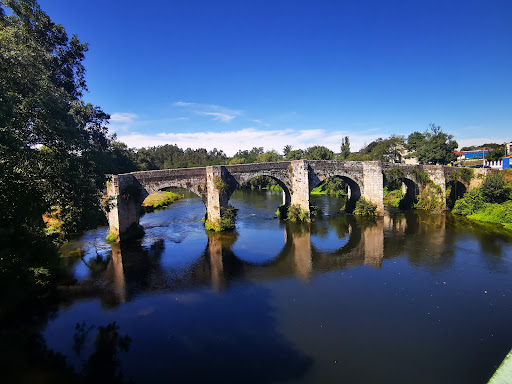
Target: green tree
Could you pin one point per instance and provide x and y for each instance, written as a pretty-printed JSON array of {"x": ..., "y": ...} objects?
[
  {"x": 345, "y": 148},
  {"x": 269, "y": 157},
  {"x": 319, "y": 152},
  {"x": 437, "y": 148},
  {"x": 497, "y": 154},
  {"x": 286, "y": 150},
  {"x": 296, "y": 154},
  {"x": 495, "y": 189},
  {"x": 53, "y": 146}
]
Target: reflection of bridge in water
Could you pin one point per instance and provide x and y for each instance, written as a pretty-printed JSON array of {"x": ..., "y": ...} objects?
[{"x": 134, "y": 269}]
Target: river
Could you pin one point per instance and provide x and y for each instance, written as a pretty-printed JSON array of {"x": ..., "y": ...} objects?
[{"x": 406, "y": 298}]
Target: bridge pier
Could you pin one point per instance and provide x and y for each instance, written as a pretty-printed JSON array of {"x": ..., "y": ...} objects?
[
  {"x": 124, "y": 198},
  {"x": 300, "y": 189},
  {"x": 217, "y": 192},
  {"x": 373, "y": 181}
]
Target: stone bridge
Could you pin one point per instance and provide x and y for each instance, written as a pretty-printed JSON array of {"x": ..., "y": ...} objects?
[{"x": 215, "y": 184}]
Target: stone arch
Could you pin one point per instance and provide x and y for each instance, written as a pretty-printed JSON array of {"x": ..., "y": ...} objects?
[
  {"x": 236, "y": 181},
  {"x": 456, "y": 189},
  {"x": 356, "y": 189},
  {"x": 410, "y": 188},
  {"x": 197, "y": 189}
]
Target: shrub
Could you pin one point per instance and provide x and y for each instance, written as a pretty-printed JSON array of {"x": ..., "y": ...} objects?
[
  {"x": 466, "y": 174},
  {"x": 365, "y": 208},
  {"x": 495, "y": 189},
  {"x": 297, "y": 213},
  {"x": 494, "y": 213},
  {"x": 470, "y": 203},
  {"x": 226, "y": 221},
  {"x": 112, "y": 237},
  {"x": 431, "y": 198}
]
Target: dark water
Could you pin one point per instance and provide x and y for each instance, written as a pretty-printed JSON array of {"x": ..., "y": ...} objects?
[{"x": 409, "y": 298}]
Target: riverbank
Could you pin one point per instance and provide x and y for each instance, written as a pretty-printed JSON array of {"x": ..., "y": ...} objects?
[{"x": 160, "y": 199}]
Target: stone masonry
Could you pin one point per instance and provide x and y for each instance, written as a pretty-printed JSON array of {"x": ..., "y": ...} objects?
[{"x": 215, "y": 184}]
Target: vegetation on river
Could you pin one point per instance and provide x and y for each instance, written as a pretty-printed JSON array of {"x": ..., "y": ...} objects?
[
  {"x": 492, "y": 202},
  {"x": 159, "y": 199}
]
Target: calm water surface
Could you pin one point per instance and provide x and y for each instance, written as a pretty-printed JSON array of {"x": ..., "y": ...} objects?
[{"x": 408, "y": 298}]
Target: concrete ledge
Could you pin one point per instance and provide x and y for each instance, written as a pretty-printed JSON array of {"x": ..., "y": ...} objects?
[{"x": 503, "y": 374}]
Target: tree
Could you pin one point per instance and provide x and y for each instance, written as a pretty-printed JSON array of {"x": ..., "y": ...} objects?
[
  {"x": 269, "y": 157},
  {"x": 53, "y": 146},
  {"x": 497, "y": 154},
  {"x": 286, "y": 150},
  {"x": 415, "y": 140},
  {"x": 345, "y": 148},
  {"x": 296, "y": 154},
  {"x": 319, "y": 152},
  {"x": 437, "y": 147}
]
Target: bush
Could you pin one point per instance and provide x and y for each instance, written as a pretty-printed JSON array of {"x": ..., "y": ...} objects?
[
  {"x": 365, "y": 208},
  {"x": 297, "y": 213},
  {"x": 470, "y": 203},
  {"x": 495, "y": 188},
  {"x": 494, "y": 213},
  {"x": 225, "y": 223},
  {"x": 431, "y": 198}
]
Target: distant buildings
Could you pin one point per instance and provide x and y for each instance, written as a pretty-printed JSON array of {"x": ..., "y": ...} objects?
[{"x": 475, "y": 154}]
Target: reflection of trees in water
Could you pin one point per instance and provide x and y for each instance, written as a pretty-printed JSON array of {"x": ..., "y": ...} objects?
[{"x": 26, "y": 358}]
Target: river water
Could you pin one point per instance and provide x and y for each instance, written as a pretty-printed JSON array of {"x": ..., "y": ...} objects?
[{"x": 407, "y": 298}]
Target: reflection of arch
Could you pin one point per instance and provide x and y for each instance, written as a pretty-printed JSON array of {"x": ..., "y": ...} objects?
[{"x": 355, "y": 188}]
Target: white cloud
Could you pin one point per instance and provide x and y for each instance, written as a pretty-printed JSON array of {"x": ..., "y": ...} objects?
[
  {"x": 232, "y": 141},
  {"x": 122, "y": 117},
  {"x": 218, "y": 112}
]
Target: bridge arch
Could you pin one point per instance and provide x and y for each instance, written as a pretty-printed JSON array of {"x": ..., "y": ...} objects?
[
  {"x": 238, "y": 179},
  {"x": 399, "y": 178},
  {"x": 455, "y": 189},
  {"x": 355, "y": 187}
]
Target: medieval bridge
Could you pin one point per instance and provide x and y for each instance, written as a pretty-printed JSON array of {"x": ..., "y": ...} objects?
[{"x": 215, "y": 184}]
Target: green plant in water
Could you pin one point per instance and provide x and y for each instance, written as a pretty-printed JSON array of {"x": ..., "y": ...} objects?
[
  {"x": 297, "y": 213},
  {"x": 226, "y": 221},
  {"x": 111, "y": 237},
  {"x": 365, "y": 208}
]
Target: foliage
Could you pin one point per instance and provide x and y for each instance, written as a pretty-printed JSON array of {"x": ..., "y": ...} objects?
[
  {"x": 219, "y": 184},
  {"x": 466, "y": 174},
  {"x": 269, "y": 157},
  {"x": 497, "y": 154},
  {"x": 393, "y": 178},
  {"x": 319, "y": 152},
  {"x": 494, "y": 213},
  {"x": 159, "y": 199},
  {"x": 495, "y": 189},
  {"x": 472, "y": 202},
  {"x": 421, "y": 176},
  {"x": 262, "y": 182},
  {"x": 345, "y": 148},
  {"x": 392, "y": 197},
  {"x": 297, "y": 213},
  {"x": 111, "y": 237},
  {"x": 282, "y": 212},
  {"x": 431, "y": 198},
  {"x": 226, "y": 221},
  {"x": 54, "y": 147},
  {"x": 388, "y": 150},
  {"x": 171, "y": 156},
  {"x": 334, "y": 186},
  {"x": 435, "y": 147},
  {"x": 365, "y": 208},
  {"x": 295, "y": 155}
]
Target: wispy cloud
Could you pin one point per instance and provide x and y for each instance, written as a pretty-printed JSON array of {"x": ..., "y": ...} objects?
[
  {"x": 217, "y": 112},
  {"x": 232, "y": 141},
  {"x": 122, "y": 117}
]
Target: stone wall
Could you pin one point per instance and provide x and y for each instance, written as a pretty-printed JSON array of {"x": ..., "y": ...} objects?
[{"x": 215, "y": 184}]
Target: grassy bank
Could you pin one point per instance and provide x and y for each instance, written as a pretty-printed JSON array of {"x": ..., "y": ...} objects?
[
  {"x": 491, "y": 203},
  {"x": 160, "y": 199}
]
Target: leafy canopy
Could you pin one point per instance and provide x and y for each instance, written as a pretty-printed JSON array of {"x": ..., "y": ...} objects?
[{"x": 432, "y": 147}]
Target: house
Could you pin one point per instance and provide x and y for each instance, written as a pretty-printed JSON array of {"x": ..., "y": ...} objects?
[{"x": 475, "y": 154}]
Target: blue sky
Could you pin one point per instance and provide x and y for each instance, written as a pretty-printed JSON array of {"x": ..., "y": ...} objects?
[{"x": 243, "y": 73}]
